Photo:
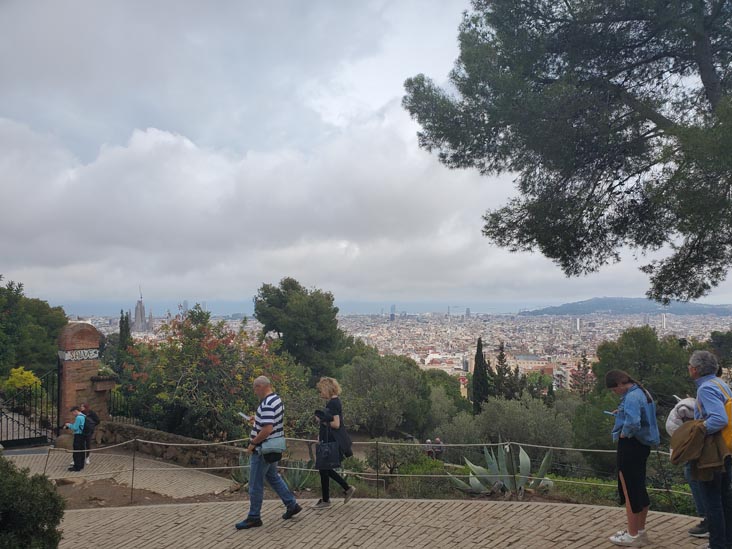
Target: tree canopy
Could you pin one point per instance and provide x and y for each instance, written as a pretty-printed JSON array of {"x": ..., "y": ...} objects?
[
  {"x": 659, "y": 364},
  {"x": 200, "y": 375},
  {"x": 305, "y": 322},
  {"x": 617, "y": 118},
  {"x": 386, "y": 394},
  {"x": 29, "y": 329}
]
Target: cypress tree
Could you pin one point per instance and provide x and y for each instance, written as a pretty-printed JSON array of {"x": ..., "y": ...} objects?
[
  {"x": 125, "y": 341},
  {"x": 480, "y": 379}
]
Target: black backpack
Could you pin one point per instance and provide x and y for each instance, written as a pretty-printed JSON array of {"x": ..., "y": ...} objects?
[{"x": 89, "y": 426}]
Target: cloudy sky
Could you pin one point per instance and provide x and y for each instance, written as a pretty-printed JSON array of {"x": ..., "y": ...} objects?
[{"x": 201, "y": 149}]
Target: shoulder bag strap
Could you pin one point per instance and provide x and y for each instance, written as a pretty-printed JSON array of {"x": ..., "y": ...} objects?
[{"x": 721, "y": 386}]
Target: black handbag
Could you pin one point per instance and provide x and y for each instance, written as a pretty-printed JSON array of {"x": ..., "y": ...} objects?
[{"x": 327, "y": 454}]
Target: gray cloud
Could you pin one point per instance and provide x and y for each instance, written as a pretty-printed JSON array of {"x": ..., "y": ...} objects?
[{"x": 202, "y": 152}]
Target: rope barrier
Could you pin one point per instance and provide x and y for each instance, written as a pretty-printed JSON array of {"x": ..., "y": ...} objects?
[
  {"x": 378, "y": 476},
  {"x": 224, "y": 443},
  {"x": 97, "y": 449}
]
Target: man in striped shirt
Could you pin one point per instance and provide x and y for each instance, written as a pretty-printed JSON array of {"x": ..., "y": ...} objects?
[{"x": 268, "y": 423}]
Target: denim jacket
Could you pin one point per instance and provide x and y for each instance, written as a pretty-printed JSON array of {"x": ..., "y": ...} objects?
[
  {"x": 636, "y": 418},
  {"x": 710, "y": 403}
]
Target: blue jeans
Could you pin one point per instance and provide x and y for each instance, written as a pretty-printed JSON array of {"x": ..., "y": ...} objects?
[
  {"x": 717, "y": 496},
  {"x": 258, "y": 471},
  {"x": 695, "y": 491}
]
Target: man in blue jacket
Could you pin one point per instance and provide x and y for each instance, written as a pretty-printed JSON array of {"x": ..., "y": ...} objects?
[
  {"x": 711, "y": 395},
  {"x": 79, "y": 440}
]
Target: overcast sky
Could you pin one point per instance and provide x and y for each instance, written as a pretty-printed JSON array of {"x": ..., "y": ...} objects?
[{"x": 201, "y": 149}]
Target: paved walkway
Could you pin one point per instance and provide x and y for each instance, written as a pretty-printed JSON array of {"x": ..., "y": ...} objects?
[
  {"x": 361, "y": 523},
  {"x": 178, "y": 482},
  {"x": 367, "y": 523}
]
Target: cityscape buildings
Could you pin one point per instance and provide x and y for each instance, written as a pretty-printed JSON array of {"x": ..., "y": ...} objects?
[{"x": 550, "y": 345}]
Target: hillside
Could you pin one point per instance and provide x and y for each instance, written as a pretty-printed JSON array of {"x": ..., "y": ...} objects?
[{"x": 629, "y": 306}]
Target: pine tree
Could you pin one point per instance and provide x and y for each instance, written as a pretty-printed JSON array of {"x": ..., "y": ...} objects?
[
  {"x": 503, "y": 372},
  {"x": 507, "y": 383},
  {"x": 583, "y": 380},
  {"x": 480, "y": 379},
  {"x": 517, "y": 383}
]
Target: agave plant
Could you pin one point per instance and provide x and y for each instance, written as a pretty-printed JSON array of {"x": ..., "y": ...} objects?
[
  {"x": 507, "y": 471},
  {"x": 298, "y": 474},
  {"x": 241, "y": 475}
]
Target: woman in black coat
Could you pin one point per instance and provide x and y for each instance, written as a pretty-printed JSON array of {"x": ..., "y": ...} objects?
[{"x": 330, "y": 390}]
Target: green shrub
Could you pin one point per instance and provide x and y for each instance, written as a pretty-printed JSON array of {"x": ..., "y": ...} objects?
[
  {"x": 30, "y": 509},
  {"x": 21, "y": 382},
  {"x": 604, "y": 492},
  {"x": 418, "y": 486},
  {"x": 389, "y": 455},
  {"x": 354, "y": 464}
]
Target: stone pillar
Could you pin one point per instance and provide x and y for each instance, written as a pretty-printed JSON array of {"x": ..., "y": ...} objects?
[{"x": 78, "y": 354}]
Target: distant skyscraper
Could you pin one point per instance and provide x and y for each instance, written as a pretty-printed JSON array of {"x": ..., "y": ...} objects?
[
  {"x": 185, "y": 306},
  {"x": 392, "y": 313},
  {"x": 467, "y": 312},
  {"x": 140, "y": 322},
  {"x": 663, "y": 317}
]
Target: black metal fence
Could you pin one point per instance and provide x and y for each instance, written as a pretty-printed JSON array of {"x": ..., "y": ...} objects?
[
  {"x": 120, "y": 409},
  {"x": 30, "y": 415}
]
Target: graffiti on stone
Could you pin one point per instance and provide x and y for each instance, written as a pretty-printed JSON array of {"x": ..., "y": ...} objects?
[{"x": 79, "y": 354}]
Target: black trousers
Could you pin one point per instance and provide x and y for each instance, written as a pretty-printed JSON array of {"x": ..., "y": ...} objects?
[
  {"x": 632, "y": 458},
  {"x": 79, "y": 444},
  {"x": 88, "y": 443},
  {"x": 325, "y": 476}
]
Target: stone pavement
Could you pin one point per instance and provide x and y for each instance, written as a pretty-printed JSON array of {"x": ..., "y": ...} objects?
[
  {"x": 367, "y": 523},
  {"x": 178, "y": 482}
]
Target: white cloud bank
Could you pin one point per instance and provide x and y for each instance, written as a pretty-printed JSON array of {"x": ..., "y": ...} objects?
[{"x": 203, "y": 152}]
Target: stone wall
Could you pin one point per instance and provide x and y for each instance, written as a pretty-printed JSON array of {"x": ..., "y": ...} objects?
[
  {"x": 78, "y": 345},
  {"x": 196, "y": 455}
]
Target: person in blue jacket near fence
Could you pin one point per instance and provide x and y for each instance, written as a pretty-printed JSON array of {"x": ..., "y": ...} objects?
[
  {"x": 79, "y": 440},
  {"x": 635, "y": 430}
]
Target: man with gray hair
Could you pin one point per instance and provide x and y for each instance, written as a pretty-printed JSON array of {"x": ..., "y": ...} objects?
[
  {"x": 268, "y": 424},
  {"x": 711, "y": 395}
]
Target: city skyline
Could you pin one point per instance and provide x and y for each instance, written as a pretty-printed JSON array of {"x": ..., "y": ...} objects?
[{"x": 206, "y": 152}]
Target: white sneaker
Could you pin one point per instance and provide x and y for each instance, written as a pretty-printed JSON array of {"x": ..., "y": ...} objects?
[
  {"x": 88, "y": 461},
  {"x": 642, "y": 534},
  {"x": 624, "y": 539},
  {"x": 321, "y": 504}
]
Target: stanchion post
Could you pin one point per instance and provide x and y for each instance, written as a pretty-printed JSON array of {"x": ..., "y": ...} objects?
[
  {"x": 132, "y": 483},
  {"x": 48, "y": 454},
  {"x": 378, "y": 466}
]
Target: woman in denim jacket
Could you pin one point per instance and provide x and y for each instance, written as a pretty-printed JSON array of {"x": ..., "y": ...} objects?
[{"x": 635, "y": 431}]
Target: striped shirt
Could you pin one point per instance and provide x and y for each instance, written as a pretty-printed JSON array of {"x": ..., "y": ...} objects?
[{"x": 271, "y": 411}]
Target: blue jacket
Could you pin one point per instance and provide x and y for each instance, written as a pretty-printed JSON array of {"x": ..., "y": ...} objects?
[
  {"x": 636, "y": 418},
  {"x": 78, "y": 426},
  {"x": 710, "y": 399}
]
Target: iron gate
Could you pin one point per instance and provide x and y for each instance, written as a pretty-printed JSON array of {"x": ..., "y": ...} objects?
[{"x": 31, "y": 415}]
